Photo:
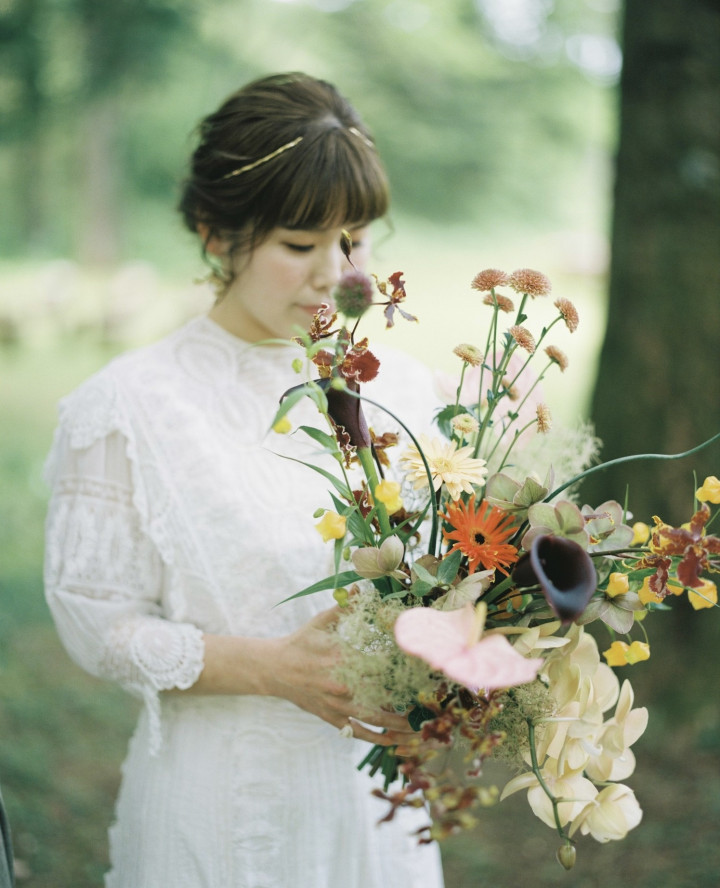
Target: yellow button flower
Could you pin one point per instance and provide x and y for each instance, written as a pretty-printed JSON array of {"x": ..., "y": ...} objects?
[
  {"x": 710, "y": 490},
  {"x": 618, "y": 584},
  {"x": 388, "y": 493},
  {"x": 622, "y": 654},
  {"x": 638, "y": 650},
  {"x": 641, "y": 533},
  {"x": 331, "y": 526},
  {"x": 282, "y": 426},
  {"x": 704, "y": 595},
  {"x": 615, "y": 654}
]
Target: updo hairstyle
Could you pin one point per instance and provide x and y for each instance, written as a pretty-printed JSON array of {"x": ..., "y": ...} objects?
[{"x": 239, "y": 189}]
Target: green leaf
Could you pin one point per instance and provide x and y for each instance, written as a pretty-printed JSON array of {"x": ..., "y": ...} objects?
[
  {"x": 328, "y": 442},
  {"x": 420, "y": 588},
  {"x": 448, "y": 568},
  {"x": 339, "y": 485},
  {"x": 444, "y": 416},
  {"x": 333, "y": 582},
  {"x": 422, "y": 574},
  {"x": 289, "y": 401}
]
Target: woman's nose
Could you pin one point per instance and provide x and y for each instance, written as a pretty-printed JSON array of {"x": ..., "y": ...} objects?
[{"x": 331, "y": 263}]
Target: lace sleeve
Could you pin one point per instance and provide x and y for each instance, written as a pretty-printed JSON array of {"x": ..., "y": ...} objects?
[{"x": 104, "y": 576}]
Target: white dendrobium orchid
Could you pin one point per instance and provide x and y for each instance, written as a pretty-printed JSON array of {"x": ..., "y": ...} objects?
[
  {"x": 610, "y": 816},
  {"x": 615, "y": 760},
  {"x": 578, "y": 791},
  {"x": 374, "y": 562},
  {"x": 532, "y": 640}
]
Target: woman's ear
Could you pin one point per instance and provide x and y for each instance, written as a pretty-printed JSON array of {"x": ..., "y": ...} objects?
[{"x": 215, "y": 245}]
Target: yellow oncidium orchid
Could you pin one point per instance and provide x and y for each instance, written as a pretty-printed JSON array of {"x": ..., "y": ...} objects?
[
  {"x": 704, "y": 595},
  {"x": 647, "y": 596},
  {"x": 331, "y": 526},
  {"x": 618, "y": 584},
  {"x": 710, "y": 490},
  {"x": 620, "y": 653},
  {"x": 641, "y": 533},
  {"x": 388, "y": 493}
]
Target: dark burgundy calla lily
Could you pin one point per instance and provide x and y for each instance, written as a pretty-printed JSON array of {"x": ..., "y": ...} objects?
[
  {"x": 563, "y": 570},
  {"x": 346, "y": 411}
]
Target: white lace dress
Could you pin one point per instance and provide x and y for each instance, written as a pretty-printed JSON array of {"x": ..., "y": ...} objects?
[{"x": 173, "y": 515}]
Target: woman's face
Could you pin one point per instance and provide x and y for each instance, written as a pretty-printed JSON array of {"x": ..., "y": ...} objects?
[{"x": 281, "y": 284}]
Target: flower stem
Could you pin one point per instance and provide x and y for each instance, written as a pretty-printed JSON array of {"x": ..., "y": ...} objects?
[
  {"x": 545, "y": 788},
  {"x": 365, "y": 456}
]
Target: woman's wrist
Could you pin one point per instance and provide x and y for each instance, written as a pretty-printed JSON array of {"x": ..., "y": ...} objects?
[{"x": 238, "y": 665}]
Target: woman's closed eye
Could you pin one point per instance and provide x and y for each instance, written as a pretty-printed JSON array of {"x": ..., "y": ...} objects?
[{"x": 299, "y": 248}]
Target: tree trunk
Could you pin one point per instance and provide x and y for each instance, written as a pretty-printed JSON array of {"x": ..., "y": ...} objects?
[{"x": 658, "y": 385}]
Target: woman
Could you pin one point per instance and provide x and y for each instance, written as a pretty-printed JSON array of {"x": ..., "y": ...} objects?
[{"x": 175, "y": 528}]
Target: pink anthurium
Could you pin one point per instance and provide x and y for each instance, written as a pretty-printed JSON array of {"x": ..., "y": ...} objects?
[{"x": 451, "y": 642}]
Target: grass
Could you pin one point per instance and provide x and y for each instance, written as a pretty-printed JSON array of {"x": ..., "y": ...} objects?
[{"x": 63, "y": 734}]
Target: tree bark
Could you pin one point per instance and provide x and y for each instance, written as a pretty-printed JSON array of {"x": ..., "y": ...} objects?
[{"x": 658, "y": 385}]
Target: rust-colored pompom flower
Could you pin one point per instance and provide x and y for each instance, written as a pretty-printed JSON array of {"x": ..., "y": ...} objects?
[
  {"x": 557, "y": 357},
  {"x": 504, "y": 303},
  {"x": 533, "y": 283},
  {"x": 569, "y": 313},
  {"x": 523, "y": 337},
  {"x": 487, "y": 280},
  {"x": 471, "y": 354},
  {"x": 354, "y": 294}
]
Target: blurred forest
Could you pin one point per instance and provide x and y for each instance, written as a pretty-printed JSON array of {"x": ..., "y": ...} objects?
[{"x": 499, "y": 121}]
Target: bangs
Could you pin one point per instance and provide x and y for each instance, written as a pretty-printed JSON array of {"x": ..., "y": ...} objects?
[{"x": 333, "y": 180}]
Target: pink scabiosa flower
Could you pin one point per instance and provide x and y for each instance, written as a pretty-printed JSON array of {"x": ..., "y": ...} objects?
[
  {"x": 353, "y": 294},
  {"x": 487, "y": 280},
  {"x": 557, "y": 357},
  {"x": 533, "y": 283},
  {"x": 569, "y": 313},
  {"x": 523, "y": 337},
  {"x": 504, "y": 303}
]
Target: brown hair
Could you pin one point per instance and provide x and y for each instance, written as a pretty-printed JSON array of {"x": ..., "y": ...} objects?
[{"x": 331, "y": 175}]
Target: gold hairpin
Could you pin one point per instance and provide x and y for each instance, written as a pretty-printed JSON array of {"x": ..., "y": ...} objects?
[
  {"x": 256, "y": 163},
  {"x": 356, "y": 132}
]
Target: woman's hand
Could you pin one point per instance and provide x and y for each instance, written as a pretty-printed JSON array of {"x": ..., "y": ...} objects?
[
  {"x": 298, "y": 667},
  {"x": 302, "y": 672}
]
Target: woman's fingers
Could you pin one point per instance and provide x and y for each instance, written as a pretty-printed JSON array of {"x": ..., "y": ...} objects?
[{"x": 325, "y": 619}]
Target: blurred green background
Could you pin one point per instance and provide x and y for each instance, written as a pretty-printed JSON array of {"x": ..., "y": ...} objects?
[{"x": 499, "y": 123}]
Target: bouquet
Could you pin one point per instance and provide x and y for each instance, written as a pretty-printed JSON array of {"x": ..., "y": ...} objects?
[{"x": 467, "y": 570}]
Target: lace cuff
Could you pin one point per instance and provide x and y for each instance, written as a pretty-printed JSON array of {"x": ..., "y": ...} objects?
[{"x": 148, "y": 655}]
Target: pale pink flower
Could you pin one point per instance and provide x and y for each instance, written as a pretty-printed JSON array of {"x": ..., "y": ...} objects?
[{"x": 451, "y": 642}]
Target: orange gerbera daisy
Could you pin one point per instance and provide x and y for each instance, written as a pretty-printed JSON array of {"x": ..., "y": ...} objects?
[{"x": 481, "y": 534}]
